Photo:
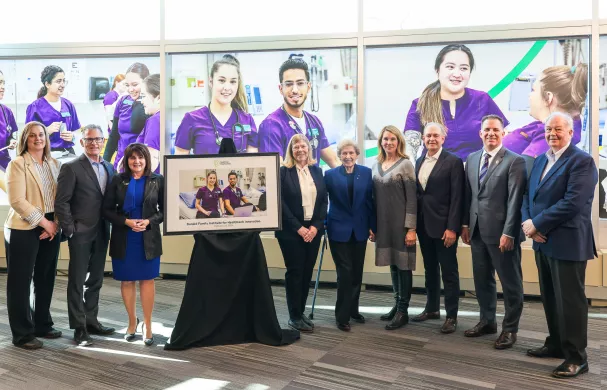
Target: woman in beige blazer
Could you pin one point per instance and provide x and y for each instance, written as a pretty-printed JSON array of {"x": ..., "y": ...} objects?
[{"x": 32, "y": 237}]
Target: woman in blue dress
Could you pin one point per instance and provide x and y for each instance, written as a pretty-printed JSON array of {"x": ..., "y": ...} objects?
[{"x": 136, "y": 242}]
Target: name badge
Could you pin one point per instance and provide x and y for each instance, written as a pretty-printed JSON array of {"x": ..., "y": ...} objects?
[
  {"x": 314, "y": 132},
  {"x": 66, "y": 114},
  {"x": 246, "y": 128},
  {"x": 128, "y": 102}
]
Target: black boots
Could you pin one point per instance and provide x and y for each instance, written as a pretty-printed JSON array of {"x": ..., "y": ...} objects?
[{"x": 402, "y": 282}]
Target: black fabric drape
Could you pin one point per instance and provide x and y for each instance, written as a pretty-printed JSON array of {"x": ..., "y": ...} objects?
[{"x": 228, "y": 297}]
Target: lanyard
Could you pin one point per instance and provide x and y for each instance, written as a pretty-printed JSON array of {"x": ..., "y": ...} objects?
[
  {"x": 295, "y": 126},
  {"x": 9, "y": 128},
  {"x": 218, "y": 138}
]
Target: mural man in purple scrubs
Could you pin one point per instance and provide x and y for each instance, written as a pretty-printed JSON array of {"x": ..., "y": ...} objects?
[
  {"x": 150, "y": 136},
  {"x": 558, "y": 88},
  {"x": 449, "y": 102},
  {"x": 57, "y": 113},
  {"x": 226, "y": 116},
  {"x": 277, "y": 129}
]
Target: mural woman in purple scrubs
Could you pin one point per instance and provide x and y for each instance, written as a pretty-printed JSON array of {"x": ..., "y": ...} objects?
[
  {"x": 8, "y": 129},
  {"x": 202, "y": 130},
  {"x": 150, "y": 136},
  {"x": 558, "y": 88},
  {"x": 449, "y": 102},
  {"x": 279, "y": 127},
  {"x": 110, "y": 99},
  {"x": 57, "y": 113},
  {"x": 209, "y": 199},
  {"x": 129, "y": 115}
]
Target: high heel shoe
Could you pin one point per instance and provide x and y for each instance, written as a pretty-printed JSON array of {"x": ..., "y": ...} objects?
[
  {"x": 131, "y": 336},
  {"x": 147, "y": 341}
]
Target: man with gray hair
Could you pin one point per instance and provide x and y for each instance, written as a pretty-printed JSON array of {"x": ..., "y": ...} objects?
[
  {"x": 556, "y": 212},
  {"x": 80, "y": 188},
  {"x": 440, "y": 196}
]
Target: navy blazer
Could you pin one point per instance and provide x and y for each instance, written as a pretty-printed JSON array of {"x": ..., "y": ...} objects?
[
  {"x": 344, "y": 219},
  {"x": 440, "y": 205},
  {"x": 292, "y": 209},
  {"x": 560, "y": 205}
]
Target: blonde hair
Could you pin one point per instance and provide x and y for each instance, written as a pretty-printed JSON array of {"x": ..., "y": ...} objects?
[
  {"x": 568, "y": 85},
  {"x": 25, "y": 132},
  {"x": 290, "y": 158},
  {"x": 400, "y": 150}
]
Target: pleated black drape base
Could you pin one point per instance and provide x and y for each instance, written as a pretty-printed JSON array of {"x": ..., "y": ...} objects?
[{"x": 228, "y": 298}]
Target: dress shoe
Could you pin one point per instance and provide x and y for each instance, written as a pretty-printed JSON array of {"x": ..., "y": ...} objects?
[
  {"x": 131, "y": 336},
  {"x": 308, "y": 321},
  {"x": 82, "y": 338},
  {"x": 481, "y": 329},
  {"x": 426, "y": 315},
  {"x": 345, "y": 327},
  {"x": 301, "y": 326},
  {"x": 400, "y": 319},
  {"x": 449, "y": 326},
  {"x": 100, "y": 330},
  {"x": 32, "y": 344},
  {"x": 544, "y": 352},
  {"x": 389, "y": 315},
  {"x": 505, "y": 340},
  {"x": 358, "y": 318},
  {"x": 51, "y": 334},
  {"x": 149, "y": 342},
  {"x": 568, "y": 370}
]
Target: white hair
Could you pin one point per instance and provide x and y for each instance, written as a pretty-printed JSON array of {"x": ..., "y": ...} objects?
[
  {"x": 345, "y": 143},
  {"x": 442, "y": 128},
  {"x": 563, "y": 115}
]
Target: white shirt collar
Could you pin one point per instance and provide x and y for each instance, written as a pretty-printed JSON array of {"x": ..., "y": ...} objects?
[
  {"x": 558, "y": 154},
  {"x": 436, "y": 156},
  {"x": 494, "y": 152}
]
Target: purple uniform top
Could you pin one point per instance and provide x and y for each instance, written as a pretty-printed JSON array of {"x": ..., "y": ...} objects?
[
  {"x": 462, "y": 130},
  {"x": 209, "y": 200},
  {"x": 41, "y": 110},
  {"x": 196, "y": 131},
  {"x": 109, "y": 99},
  {"x": 123, "y": 111},
  {"x": 234, "y": 196},
  {"x": 150, "y": 136},
  {"x": 530, "y": 139},
  {"x": 8, "y": 126},
  {"x": 278, "y": 128}
]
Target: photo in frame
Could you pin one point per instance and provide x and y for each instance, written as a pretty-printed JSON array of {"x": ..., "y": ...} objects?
[{"x": 222, "y": 193}]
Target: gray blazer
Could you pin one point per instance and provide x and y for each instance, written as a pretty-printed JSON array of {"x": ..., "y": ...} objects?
[
  {"x": 79, "y": 200},
  {"x": 495, "y": 206}
]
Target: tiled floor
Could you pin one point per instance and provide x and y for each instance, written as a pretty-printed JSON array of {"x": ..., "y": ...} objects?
[{"x": 369, "y": 357}]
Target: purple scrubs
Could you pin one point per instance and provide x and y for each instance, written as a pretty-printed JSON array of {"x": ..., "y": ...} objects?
[
  {"x": 235, "y": 196},
  {"x": 41, "y": 110},
  {"x": 123, "y": 111},
  {"x": 109, "y": 99},
  {"x": 7, "y": 120},
  {"x": 150, "y": 135},
  {"x": 209, "y": 200},
  {"x": 530, "y": 140},
  {"x": 196, "y": 131},
  {"x": 463, "y": 129},
  {"x": 278, "y": 128}
]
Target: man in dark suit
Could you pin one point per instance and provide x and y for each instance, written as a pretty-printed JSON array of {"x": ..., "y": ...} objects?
[
  {"x": 440, "y": 184},
  {"x": 557, "y": 213},
  {"x": 80, "y": 187},
  {"x": 496, "y": 179}
]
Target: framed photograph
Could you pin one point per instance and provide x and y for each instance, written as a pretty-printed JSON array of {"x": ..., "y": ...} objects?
[{"x": 222, "y": 193}]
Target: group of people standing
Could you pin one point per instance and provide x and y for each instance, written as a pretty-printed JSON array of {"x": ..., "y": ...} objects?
[{"x": 491, "y": 203}]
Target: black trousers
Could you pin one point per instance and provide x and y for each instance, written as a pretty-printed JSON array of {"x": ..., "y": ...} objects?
[
  {"x": 349, "y": 258},
  {"x": 82, "y": 292},
  {"x": 300, "y": 258},
  {"x": 29, "y": 257},
  {"x": 486, "y": 260},
  {"x": 214, "y": 214},
  {"x": 438, "y": 258},
  {"x": 565, "y": 304}
]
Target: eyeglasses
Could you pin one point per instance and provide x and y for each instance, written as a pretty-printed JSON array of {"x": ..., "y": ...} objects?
[
  {"x": 60, "y": 81},
  {"x": 96, "y": 140},
  {"x": 290, "y": 84}
]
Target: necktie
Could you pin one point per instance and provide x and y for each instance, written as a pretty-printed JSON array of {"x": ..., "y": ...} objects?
[{"x": 484, "y": 167}]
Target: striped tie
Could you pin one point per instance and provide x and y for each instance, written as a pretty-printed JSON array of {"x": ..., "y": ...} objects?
[{"x": 483, "y": 171}]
